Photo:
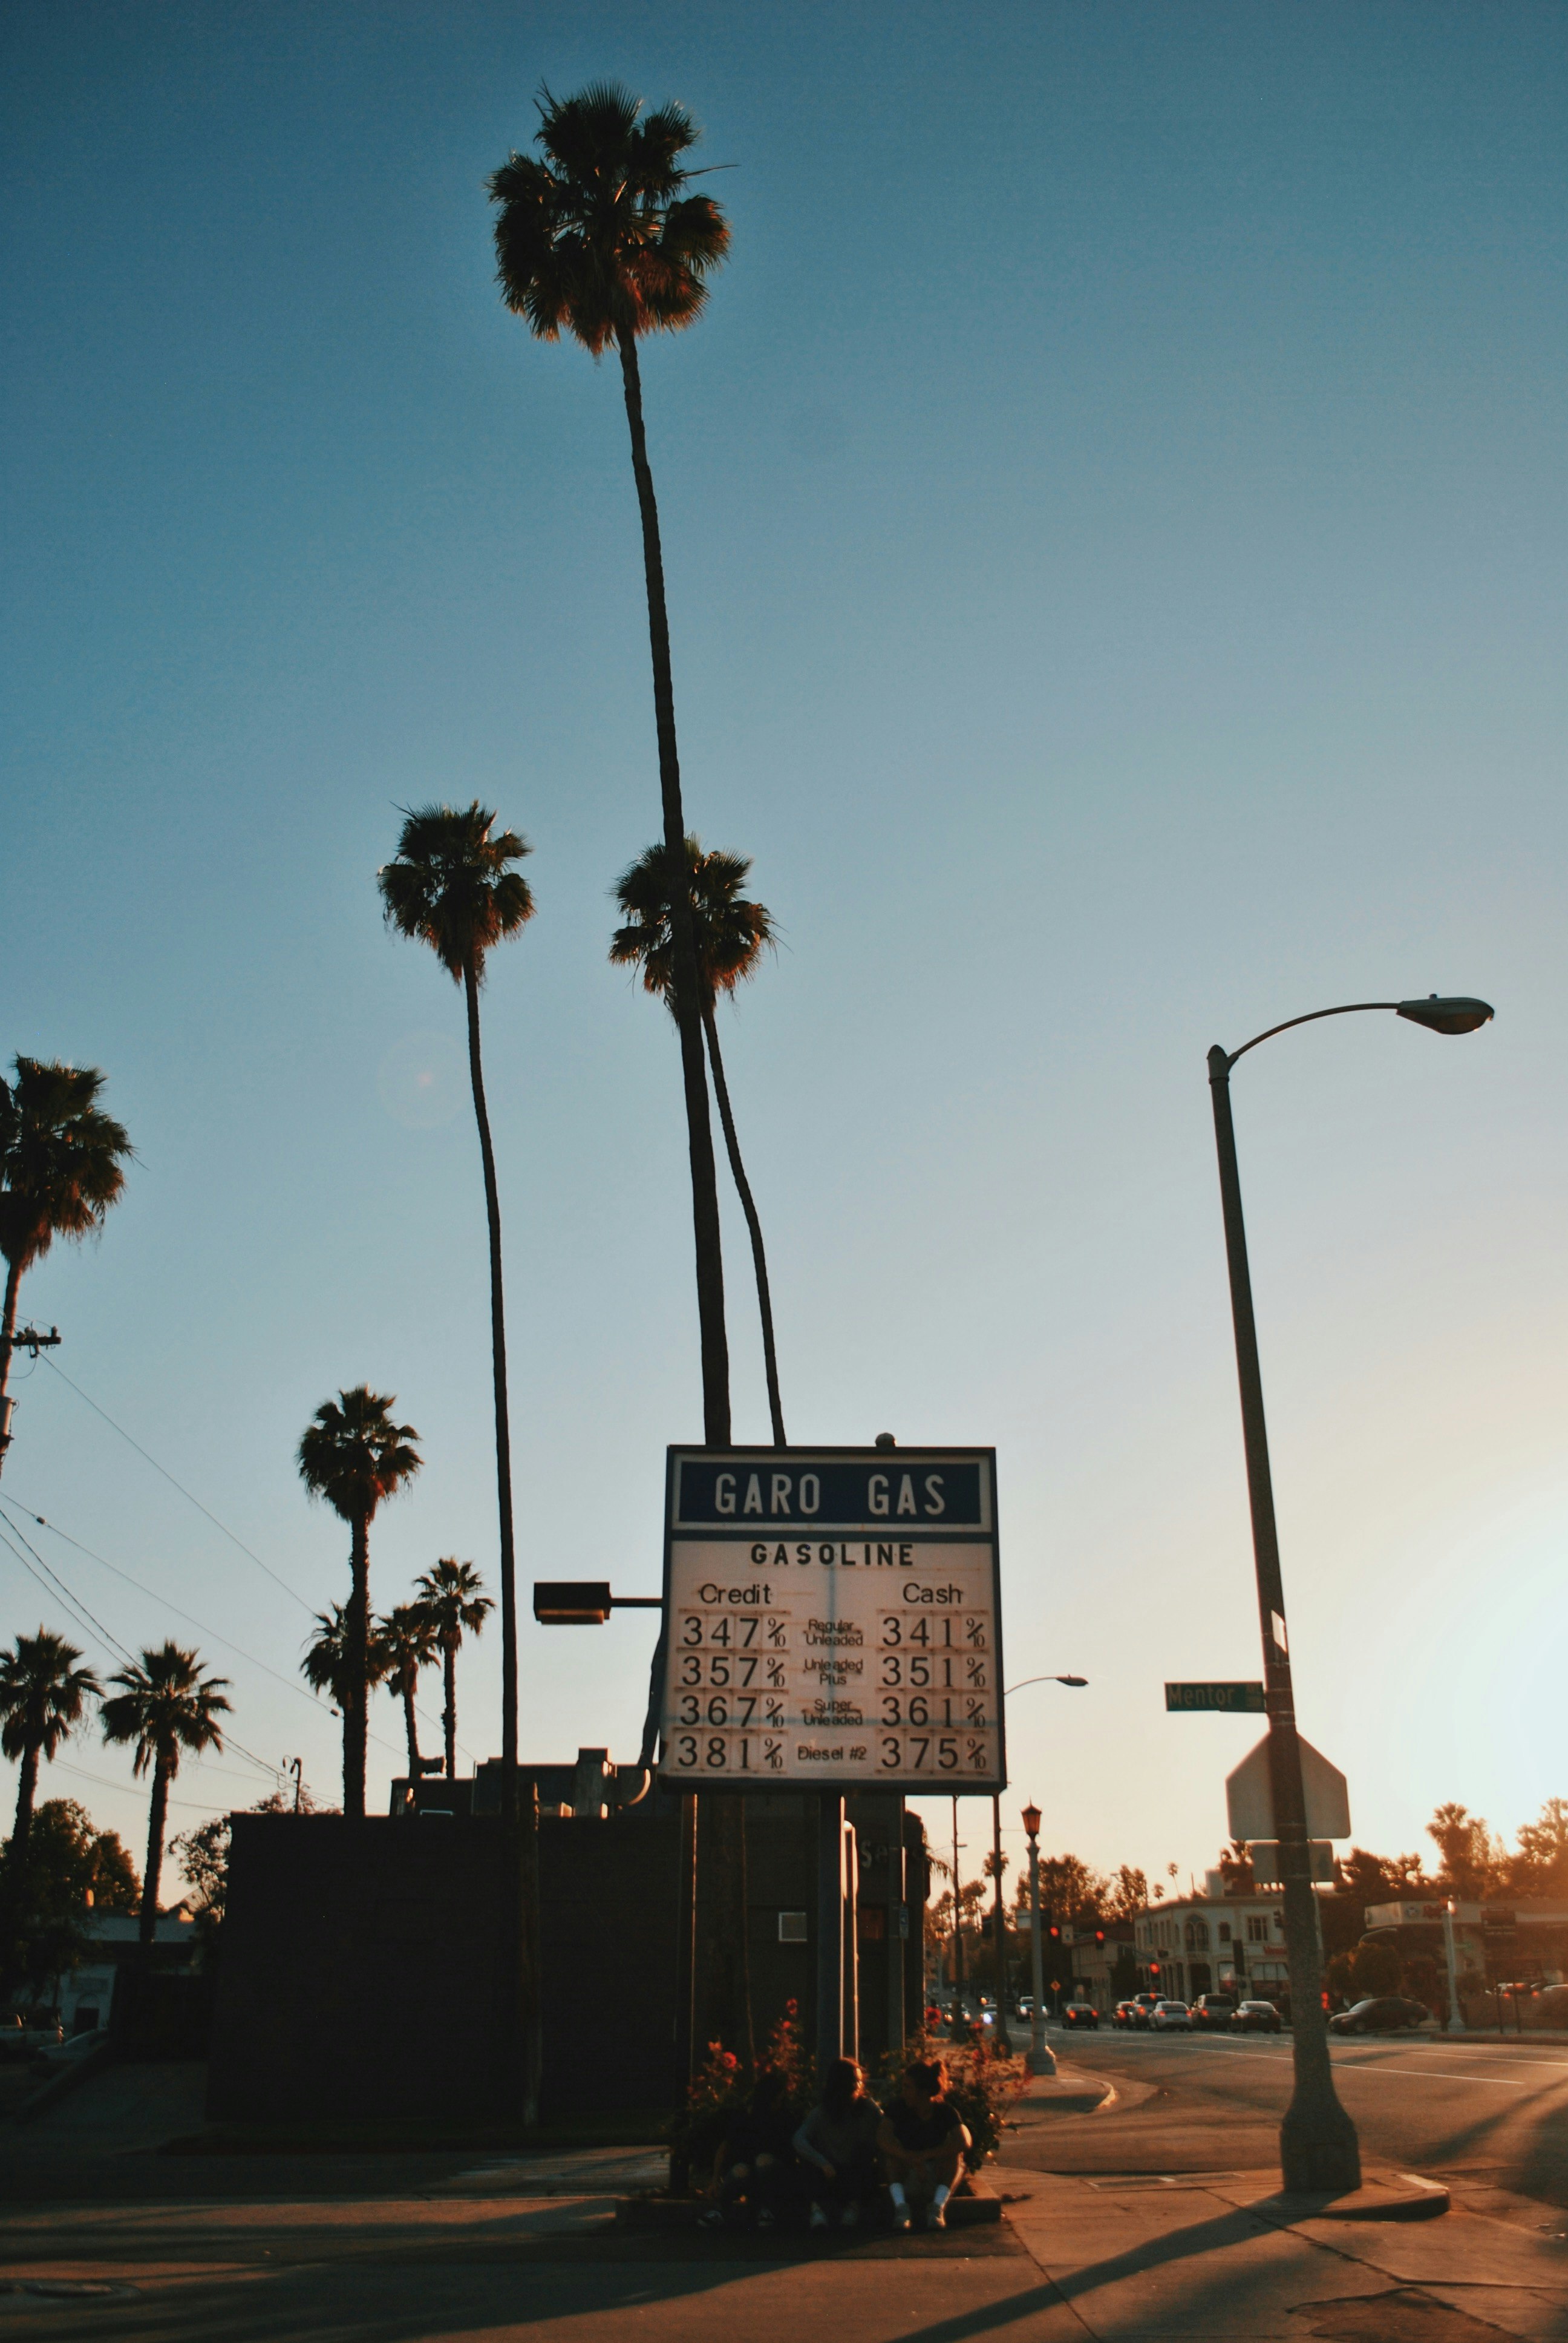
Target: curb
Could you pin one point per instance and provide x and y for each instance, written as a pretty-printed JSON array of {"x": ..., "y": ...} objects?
[
  {"x": 1403, "y": 2197},
  {"x": 979, "y": 2208}
]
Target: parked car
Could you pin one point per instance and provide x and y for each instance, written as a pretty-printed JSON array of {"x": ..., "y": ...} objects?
[
  {"x": 1382, "y": 2013},
  {"x": 1170, "y": 2017},
  {"x": 1255, "y": 2017},
  {"x": 1213, "y": 2009},
  {"x": 1144, "y": 2003},
  {"x": 1026, "y": 2004},
  {"x": 1079, "y": 2013},
  {"x": 1125, "y": 2014}
]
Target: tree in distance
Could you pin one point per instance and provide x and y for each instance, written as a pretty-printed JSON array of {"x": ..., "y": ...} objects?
[
  {"x": 452, "y": 1595},
  {"x": 451, "y": 886},
  {"x": 62, "y": 1165},
  {"x": 596, "y": 236},
  {"x": 72, "y": 1868},
  {"x": 167, "y": 1703},
  {"x": 354, "y": 1455},
  {"x": 326, "y": 1666},
  {"x": 408, "y": 1638},
  {"x": 731, "y": 934},
  {"x": 44, "y": 1696}
]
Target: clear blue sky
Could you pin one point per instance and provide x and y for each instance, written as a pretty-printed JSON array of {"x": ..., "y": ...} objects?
[{"x": 1114, "y": 520}]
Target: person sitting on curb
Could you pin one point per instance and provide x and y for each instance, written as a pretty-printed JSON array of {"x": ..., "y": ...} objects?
[
  {"x": 838, "y": 2141},
  {"x": 922, "y": 2139},
  {"x": 755, "y": 2162}
]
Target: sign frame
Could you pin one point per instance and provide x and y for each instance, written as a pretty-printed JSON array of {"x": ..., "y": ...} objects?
[{"x": 690, "y": 1518}]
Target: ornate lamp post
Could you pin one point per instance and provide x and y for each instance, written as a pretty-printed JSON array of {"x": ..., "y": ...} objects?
[{"x": 1042, "y": 2061}]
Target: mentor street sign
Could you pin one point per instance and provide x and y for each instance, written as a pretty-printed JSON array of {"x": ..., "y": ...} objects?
[
  {"x": 1219, "y": 1699},
  {"x": 833, "y": 1620}
]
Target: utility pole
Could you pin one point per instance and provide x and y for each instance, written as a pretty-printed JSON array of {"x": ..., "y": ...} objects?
[
  {"x": 27, "y": 1338},
  {"x": 999, "y": 1927},
  {"x": 956, "y": 2027}
]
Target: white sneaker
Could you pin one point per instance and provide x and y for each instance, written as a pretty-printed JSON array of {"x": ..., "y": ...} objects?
[
  {"x": 850, "y": 2219},
  {"x": 818, "y": 2218}
]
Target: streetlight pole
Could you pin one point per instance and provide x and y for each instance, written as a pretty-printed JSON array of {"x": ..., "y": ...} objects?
[
  {"x": 998, "y": 1929},
  {"x": 1319, "y": 2151}
]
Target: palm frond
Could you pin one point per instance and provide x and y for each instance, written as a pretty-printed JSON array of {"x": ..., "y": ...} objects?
[
  {"x": 731, "y": 931},
  {"x": 166, "y": 1702},
  {"x": 62, "y": 1158},
  {"x": 354, "y": 1455},
  {"x": 451, "y": 885}
]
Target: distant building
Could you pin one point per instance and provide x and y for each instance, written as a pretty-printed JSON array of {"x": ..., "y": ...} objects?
[
  {"x": 83, "y": 1997},
  {"x": 1222, "y": 1941}
]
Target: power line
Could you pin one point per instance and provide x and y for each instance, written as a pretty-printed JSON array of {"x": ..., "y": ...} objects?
[
  {"x": 100, "y": 1633},
  {"x": 62, "y": 1766},
  {"x": 153, "y": 1596},
  {"x": 180, "y": 1485}
]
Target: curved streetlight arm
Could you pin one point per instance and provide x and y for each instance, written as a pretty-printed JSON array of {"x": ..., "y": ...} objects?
[
  {"x": 1351, "y": 1009},
  {"x": 1452, "y": 1013},
  {"x": 1076, "y": 1682}
]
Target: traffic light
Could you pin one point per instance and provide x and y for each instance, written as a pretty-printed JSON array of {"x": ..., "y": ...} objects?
[
  {"x": 1099, "y": 1935},
  {"x": 1153, "y": 1968}
]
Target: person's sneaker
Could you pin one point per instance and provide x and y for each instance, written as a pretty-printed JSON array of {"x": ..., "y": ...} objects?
[
  {"x": 850, "y": 2219},
  {"x": 902, "y": 2217},
  {"x": 766, "y": 2218},
  {"x": 712, "y": 2219},
  {"x": 936, "y": 2216},
  {"x": 818, "y": 2218}
]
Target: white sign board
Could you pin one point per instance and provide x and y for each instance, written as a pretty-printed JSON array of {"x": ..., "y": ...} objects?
[
  {"x": 832, "y": 1620},
  {"x": 1250, "y": 1798}
]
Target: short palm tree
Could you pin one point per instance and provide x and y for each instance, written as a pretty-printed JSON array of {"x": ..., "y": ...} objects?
[
  {"x": 451, "y": 886},
  {"x": 325, "y": 1666},
  {"x": 354, "y": 1455},
  {"x": 597, "y": 236},
  {"x": 731, "y": 935},
  {"x": 44, "y": 1696},
  {"x": 408, "y": 1637},
  {"x": 165, "y": 1705},
  {"x": 452, "y": 1596},
  {"x": 62, "y": 1165}
]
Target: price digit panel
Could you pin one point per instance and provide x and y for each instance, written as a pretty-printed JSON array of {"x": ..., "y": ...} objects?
[{"x": 840, "y": 1660}]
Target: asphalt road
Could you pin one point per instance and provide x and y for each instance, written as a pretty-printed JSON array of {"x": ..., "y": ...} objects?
[{"x": 1476, "y": 2107}]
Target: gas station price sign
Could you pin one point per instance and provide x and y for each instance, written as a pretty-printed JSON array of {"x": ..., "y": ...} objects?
[{"x": 832, "y": 1620}]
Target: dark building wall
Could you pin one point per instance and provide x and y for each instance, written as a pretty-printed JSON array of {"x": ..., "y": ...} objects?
[{"x": 360, "y": 1973}]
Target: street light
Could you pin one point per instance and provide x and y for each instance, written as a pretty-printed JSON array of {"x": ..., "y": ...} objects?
[
  {"x": 1041, "y": 2060},
  {"x": 1318, "y": 2147}
]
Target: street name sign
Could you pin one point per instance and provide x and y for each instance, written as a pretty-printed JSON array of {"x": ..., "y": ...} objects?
[
  {"x": 1221, "y": 1699},
  {"x": 1263, "y": 1853},
  {"x": 1249, "y": 1796},
  {"x": 832, "y": 1619}
]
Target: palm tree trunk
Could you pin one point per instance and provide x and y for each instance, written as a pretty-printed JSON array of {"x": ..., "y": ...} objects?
[
  {"x": 759, "y": 1258},
  {"x": 410, "y": 1728},
  {"x": 698, "y": 1130},
  {"x": 357, "y": 1703},
  {"x": 7, "y": 1345},
  {"x": 157, "y": 1820},
  {"x": 449, "y": 1707},
  {"x": 503, "y": 1421},
  {"x": 27, "y": 1791}
]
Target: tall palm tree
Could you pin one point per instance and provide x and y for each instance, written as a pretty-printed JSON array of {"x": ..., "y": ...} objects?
[
  {"x": 326, "y": 1669},
  {"x": 408, "y": 1637},
  {"x": 452, "y": 1595},
  {"x": 62, "y": 1165},
  {"x": 731, "y": 934},
  {"x": 353, "y": 1454},
  {"x": 451, "y": 887},
  {"x": 44, "y": 1695},
  {"x": 596, "y": 236},
  {"x": 166, "y": 1704}
]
